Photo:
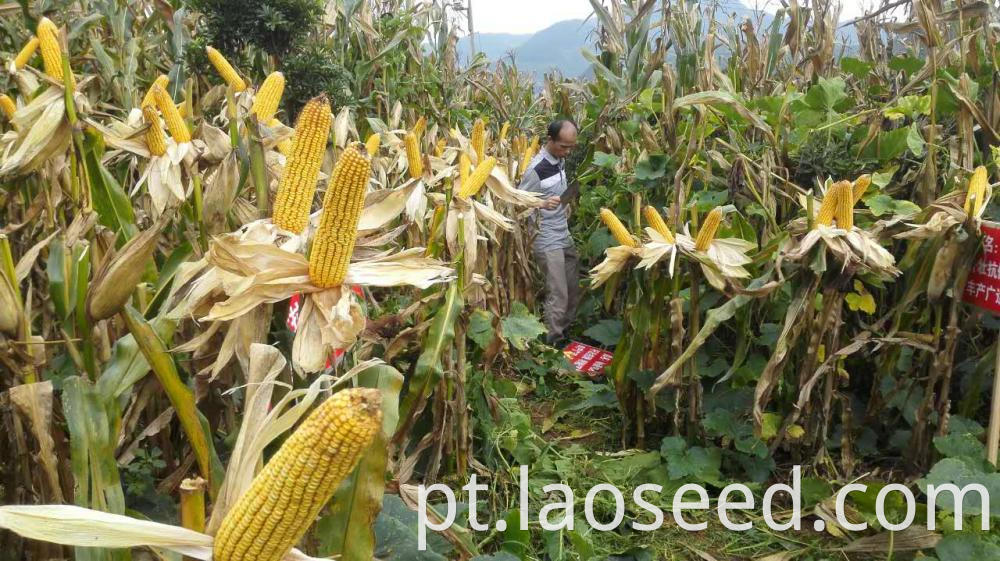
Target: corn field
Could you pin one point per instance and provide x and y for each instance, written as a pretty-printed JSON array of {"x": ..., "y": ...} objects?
[{"x": 266, "y": 271}]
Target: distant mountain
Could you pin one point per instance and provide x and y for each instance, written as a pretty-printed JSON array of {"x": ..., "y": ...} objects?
[{"x": 555, "y": 47}]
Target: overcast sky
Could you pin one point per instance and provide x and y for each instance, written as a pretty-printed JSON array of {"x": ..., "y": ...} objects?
[{"x": 529, "y": 16}]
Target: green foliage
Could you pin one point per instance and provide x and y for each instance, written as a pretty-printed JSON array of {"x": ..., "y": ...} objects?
[
  {"x": 312, "y": 69},
  {"x": 274, "y": 26}
]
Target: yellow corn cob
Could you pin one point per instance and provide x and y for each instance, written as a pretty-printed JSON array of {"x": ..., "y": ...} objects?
[
  {"x": 155, "y": 140},
  {"x": 284, "y": 146},
  {"x": 861, "y": 185},
  {"x": 708, "y": 229},
  {"x": 439, "y": 147},
  {"x": 529, "y": 154},
  {"x": 479, "y": 139},
  {"x": 182, "y": 110},
  {"x": 288, "y": 494},
  {"x": 338, "y": 226},
  {"x": 175, "y": 123},
  {"x": 8, "y": 106},
  {"x": 617, "y": 229},
  {"x": 976, "y": 192},
  {"x": 372, "y": 144},
  {"x": 163, "y": 81},
  {"x": 504, "y": 130},
  {"x": 519, "y": 144},
  {"x": 464, "y": 166},
  {"x": 656, "y": 222},
  {"x": 265, "y": 103},
  {"x": 478, "y": 178},
  {"x": 845, "y": 208},
  {"x": 26, "y": 53},
  {"x": 298, "y": 180},
  {"x": 418, "y": 128},
  {"x": 414, "y": 161},
  {"x": 48, "y": 40},
  {"x": 225, "y": 69},
  {"x": 828, "y": 208}
]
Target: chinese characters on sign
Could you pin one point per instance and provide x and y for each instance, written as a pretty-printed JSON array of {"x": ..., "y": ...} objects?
[
  {"x": 983, "y": 287},
  {"x": 589, "y": 360}
]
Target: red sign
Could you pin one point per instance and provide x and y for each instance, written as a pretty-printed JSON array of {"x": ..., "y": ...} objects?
[
  {"x": 983, "y": 287},
  {"x": 589, "y": 360},
  {"x": 292, "y": 321}
]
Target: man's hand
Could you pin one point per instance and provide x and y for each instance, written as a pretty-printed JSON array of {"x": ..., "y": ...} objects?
[{"x": 551, "y": 203}]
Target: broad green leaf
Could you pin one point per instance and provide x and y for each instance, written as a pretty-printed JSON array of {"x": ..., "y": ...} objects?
[
  {"x": 481, "y": 329},
  {"x": 966, "y": 546},
  {"x": 855, "y": 66},
  {"x": 521, "y": 326},
  {"x": 881, "y": 204},
  {"x": 605, "y": 160},
  {"x": 652, "y": 168},
  {"x": 606, "y": 332},
  {"x": 915, "y": 140}
]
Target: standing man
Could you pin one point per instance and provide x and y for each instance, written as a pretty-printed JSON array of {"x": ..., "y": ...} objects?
[{"x": 554, "y": 250}]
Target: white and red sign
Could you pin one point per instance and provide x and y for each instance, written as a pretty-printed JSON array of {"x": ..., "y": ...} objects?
[
  {"x": 983, "y": 287},
  {"x": 589, "y": 360}
]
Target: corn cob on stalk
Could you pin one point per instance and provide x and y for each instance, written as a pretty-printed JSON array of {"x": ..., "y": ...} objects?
[
  {"x": 529, "y": 154},
  {"x": 976, "y": 192},
  {"x": 48, "y": 40},
  {"x": 28, "y": 51},
  {"x": 414, "y": 161},
  {"x": 617, "y": 229},
  {"x": 175, "y": 123},
  {"x": 478, "y": 178},
  {"x": 265, "y": 103},
  {"x": 503, "y": 131},
  {"x": 479, "y": 139},
  {"x": 419, "y": 127},
  {"x": 708, "y": 229},
  {"x": 845, "y": 208},
  {"x": 225, "y": 69},
  {"x": 155, "y": 139},
  {"x": 289, "y": 493},
  {"x": 464, "y": 168},
  {"x": 828, "y": 208},
  {"x": 298, "y": 181},
  {"x": 439, "y": 147},
  {"x": 338, "y": 226},
  {"x": 163, "y": 81},
  {"x": 861, "y": 185},
  {"x": 372, "y": 144},
  {"x": 8, "y": 106},
  {"x": 656, "y": 222}
]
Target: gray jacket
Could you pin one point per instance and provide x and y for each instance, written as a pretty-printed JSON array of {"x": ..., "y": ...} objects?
[{"x": 547, "y": 175}]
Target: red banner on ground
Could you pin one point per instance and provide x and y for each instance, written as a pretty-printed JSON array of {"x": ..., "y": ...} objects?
[
  {"x": 983, "y": 287},
  {"x": 589, "y": 360}
]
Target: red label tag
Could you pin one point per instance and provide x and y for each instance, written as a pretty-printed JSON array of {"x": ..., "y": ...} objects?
[
  {"x": 292, "y": 321},
  {"x": 983, "y": 287},
  {"x": 589, "y": 360}
]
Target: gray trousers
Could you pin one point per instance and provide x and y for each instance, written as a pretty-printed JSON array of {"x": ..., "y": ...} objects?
[{"x": 562, "y": 282}]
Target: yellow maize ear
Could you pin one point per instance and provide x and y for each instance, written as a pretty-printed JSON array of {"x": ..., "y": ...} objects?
[
  {"x": 182, "y": 110},
  {"x": 439, "y": 147},
  {"x": 163, "y": 81},
  {"x": 828, "y": 208},
  {"x": 28, "y": 51},
  {"x": 656, "y": 222},
  {"x": 298, "y": 180},
  {"x": 419, "y": 127},
  {"x": 519, "y": 144},
  {"x": 504, "y": 130},
  {"x": 372, "y": 144},
  {"x": 155, "y": 139},
  {"x": 845, "y": 208},
  {"x": 338, "y": 225},
  {"x": 976, "y": 192},
  {"x": 225, "y": 69},
  {"x": 478, "y": 178},
  {"x": 414, "y": 160},
  {"x": 8, "y": 106},
  {"x": 479, "y": 139},
  {"x": 464, "y": 168},
  {"x": 708, "y": 229},
  {"x": 175, "y": 123},
  {"x": 861, "y": 185},
  {"x": 617, "y": 229},
  {"x": 265, "y": 103},
  {"x": 288, "y": 494},
  {"x": 48, "y": 40},
  {"x": 284, "y": 146}
]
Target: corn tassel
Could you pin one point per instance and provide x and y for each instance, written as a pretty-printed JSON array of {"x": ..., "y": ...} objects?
[
  {"x": 708, "y": 229},
  {"x": 175, "y": 123},
  {"x": 419, "y": 127},
  {"x": 298, "y": 180},
  {"x": 48, "y": 41},
  {"x": 478, "y": 178},
  {"x": 414, "y": 161},
  {"x": 338, "y": 226},
  {"x": 225, "y": 70},
  {"x": 288, "y": 494},
  {"x": 439, "y": 147},
  {"x": 26, "y": 53},
  {"x": 265, "y": 103},
  {"x": 974, "y": 197},
  {"x": 8, "y": 106},
  {"x": 504, "y": 130},
  {"x": 656, "y": 222},
  {"x": 372, "y": 144},
  {"x": 861, "y": 185},
  {"x": 617, "y": 229},
  {"x": 479, "y": 139},
  {"x": 155, "y": 139},
  {"x": 163, "y": 81}
]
